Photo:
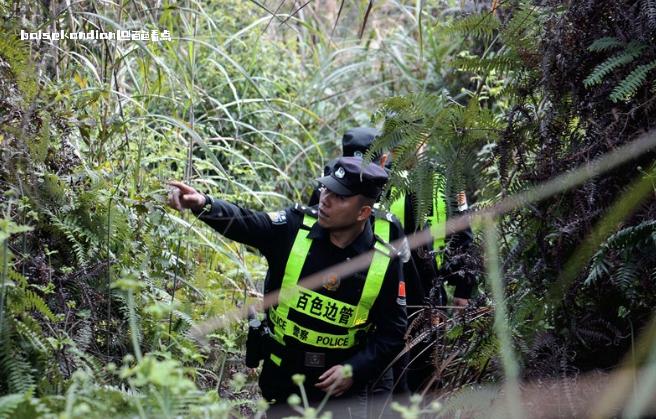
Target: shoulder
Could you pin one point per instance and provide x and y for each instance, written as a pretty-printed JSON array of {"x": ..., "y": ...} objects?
[
  {"x": 291, "y": 215},
  {"x": 385, "y": 215},
  {"x": 303, "y": 210},
  {"x": 396, "y": 228}
]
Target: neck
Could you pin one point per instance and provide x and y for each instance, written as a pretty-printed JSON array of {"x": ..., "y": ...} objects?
[{"x": 343, "y": 237}]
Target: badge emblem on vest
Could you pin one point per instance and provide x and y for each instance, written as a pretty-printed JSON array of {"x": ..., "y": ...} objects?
[
  {"x": 340, "y": 173},
  {"x": 331, "y": 283}
]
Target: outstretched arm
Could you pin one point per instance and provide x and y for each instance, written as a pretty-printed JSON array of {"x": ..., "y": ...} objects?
[{"x": 258, "y": 229}]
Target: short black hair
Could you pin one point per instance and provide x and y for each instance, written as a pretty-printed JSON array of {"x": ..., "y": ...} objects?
[{"x": 367, "y": 201}]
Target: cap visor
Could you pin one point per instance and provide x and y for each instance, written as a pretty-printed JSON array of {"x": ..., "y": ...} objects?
[{"x": 333, "y": 185}]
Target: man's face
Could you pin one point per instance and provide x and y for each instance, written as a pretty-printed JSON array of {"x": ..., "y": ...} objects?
[{"x": 338, "y": 212}]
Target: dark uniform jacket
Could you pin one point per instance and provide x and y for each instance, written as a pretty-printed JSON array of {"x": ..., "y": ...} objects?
[{"x": 273, "y": 235}]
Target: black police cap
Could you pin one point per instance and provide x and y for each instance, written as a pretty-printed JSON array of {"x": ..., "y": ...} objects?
[
  {"x": 357, "y": 141},
  {"x": 349, "y": 178}
]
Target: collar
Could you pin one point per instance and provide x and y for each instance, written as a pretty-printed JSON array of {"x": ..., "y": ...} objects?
[{"x": 361, "y": 244}]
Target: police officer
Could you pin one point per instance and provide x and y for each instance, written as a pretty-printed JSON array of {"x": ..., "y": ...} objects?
[{"x": 355, "y": 320}]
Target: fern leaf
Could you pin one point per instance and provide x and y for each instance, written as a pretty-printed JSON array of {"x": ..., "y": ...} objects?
[
  {"x": 31, "y": 335},
  {"x": 630, "y": 85},
  {"x": 632, "y": 51},
  {"x": 604, "y": 44},
  {"x": 500, "y": 63},
  {"x": 481, "y": 26},
  {"x": 27, "y": 300},
  {"x": 9, "y": 404},
  {"x": 520, "y": 32},
  {"x": 649, "y": 10},
  {"x": 16, "y": 371}
]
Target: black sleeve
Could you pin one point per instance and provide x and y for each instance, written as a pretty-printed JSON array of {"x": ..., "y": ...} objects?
[
  {"x": 260, "y": 230},
  {"x": 455, "y": 264},
  {"x": 388, "y": 316}
]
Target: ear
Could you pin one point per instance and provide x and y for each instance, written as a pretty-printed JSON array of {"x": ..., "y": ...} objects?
[{"x": 365, "y": 212}]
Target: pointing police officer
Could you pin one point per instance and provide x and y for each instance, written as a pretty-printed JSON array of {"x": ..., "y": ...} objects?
[{"x": 355, "y": 320}]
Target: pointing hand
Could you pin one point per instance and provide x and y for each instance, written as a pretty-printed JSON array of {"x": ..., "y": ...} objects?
[{"x": 182, "y": 196}]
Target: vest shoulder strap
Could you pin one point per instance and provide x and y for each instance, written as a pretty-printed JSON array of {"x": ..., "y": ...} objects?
[
  {"x": 381, "y": 214},
  {"x": 304, "y": 209},
  {"x": 384, "y": 246},
  {"x": 310, "y": 215}
]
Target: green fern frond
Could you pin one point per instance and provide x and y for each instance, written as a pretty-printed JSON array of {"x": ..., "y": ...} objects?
[
  {"x": 626, "y": 277},
  {"x": 16, "y": 372},
  {"x": 19, "y": 279},
  {"x": 9, "y": 404},
  {"x": 649, "y": 10},
  {"x": 451, "y": 134},
  {"x": 500, "y": 63},
  {"x": 633, "y": 50},
  {"x": 26, "y": 300},
  {"x": 630, "y": 85},
  {"x": 598, "y": 270},
  {"x": 627, "y": 242},
  {"x": 482, "y": 353},
  {"x": 74, "y": 233},
  {"x": 83, "y": 336},
  {"x": 481, "y": 26},
  {"x": 604, "y": 44},
  {"x": 520, "y": 32},
  {"x": 33, "y": 336}
]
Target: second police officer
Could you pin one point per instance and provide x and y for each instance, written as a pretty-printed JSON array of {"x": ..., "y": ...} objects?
[{"x": 425, "y": 269}]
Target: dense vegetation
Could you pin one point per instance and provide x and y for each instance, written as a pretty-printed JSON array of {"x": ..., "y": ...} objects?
[{"x": 102, "y": 285}]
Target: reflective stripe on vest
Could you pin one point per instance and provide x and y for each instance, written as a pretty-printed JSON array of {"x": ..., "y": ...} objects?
[
  {"x": 286, "y": 327},
  {"x": 438, "y": 215},
  {"x": 321, "y": 307}
]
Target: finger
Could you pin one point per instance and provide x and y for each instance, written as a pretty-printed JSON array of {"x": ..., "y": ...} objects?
[
  {"x": 185, "y": 189},
  {"x": 174, "y": 199},
  {"x": 325, "y": 383},
  {"x": 338, "y": 390},
  {"x": 328, "y": 372}
]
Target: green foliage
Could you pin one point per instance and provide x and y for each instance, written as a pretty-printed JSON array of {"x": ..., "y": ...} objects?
[
  {"x": 510, "y": 46},
  {"x": 494, "y": 64},
  {"x": 634, "y": 80},
  {"x": 604, "y": 44},
  {"x": 631, "y": 51},
  {"x": 21, "y": 335},
  {"x": 17, "y": 55},
  {"x": 623, "y": 263},
  {"x": 628, "y": 87},
  {"x": 432, "y": 135},
  {"x": 482, "y": 26}
]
